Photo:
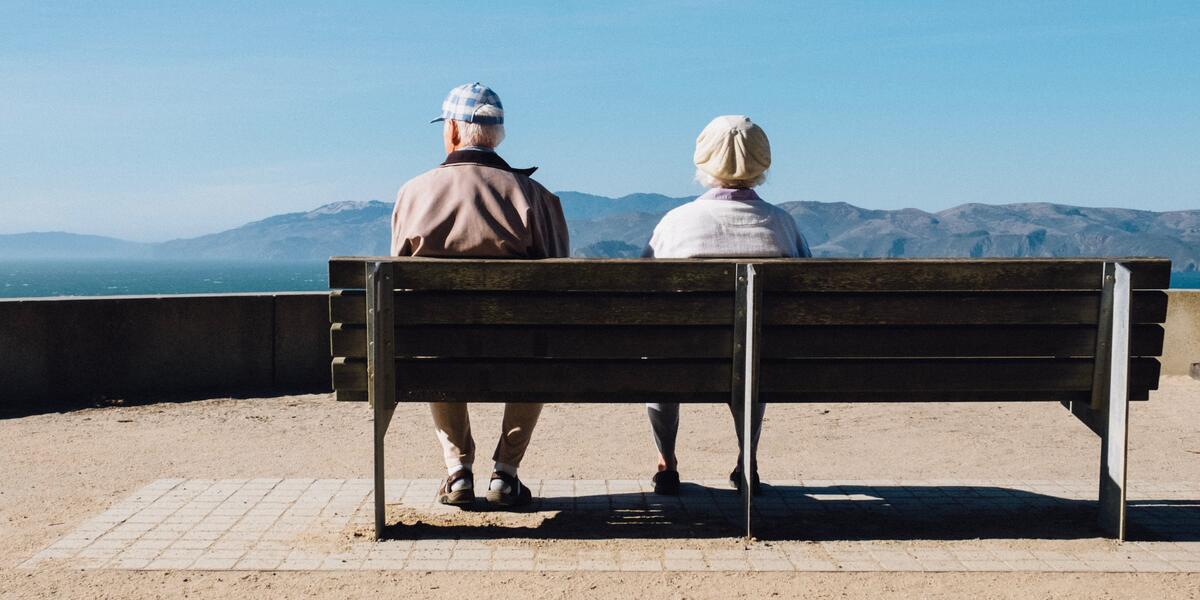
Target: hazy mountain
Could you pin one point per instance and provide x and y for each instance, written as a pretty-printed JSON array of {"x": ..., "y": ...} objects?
[
  {"x": 620, "y": 227},
  {"x": 341, "y": 228},
  {"x": 58, "y": 244},
  {"x": 1008, "y": 230}
]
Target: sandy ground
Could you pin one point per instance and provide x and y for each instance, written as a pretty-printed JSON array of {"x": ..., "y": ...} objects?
[{"x": 60, "y": 469}]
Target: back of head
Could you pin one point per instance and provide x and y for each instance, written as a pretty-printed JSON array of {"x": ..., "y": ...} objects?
[
  {"x": 483, "y": 131},
  {"x": 732, "y": 151},
  {"x": 477, "y": 115}
]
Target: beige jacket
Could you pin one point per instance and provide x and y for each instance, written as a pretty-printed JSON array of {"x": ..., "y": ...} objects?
[{"x": 475, "y": 205}]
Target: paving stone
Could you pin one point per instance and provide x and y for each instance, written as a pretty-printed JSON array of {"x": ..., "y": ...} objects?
[{"x": 261, "y": 524}]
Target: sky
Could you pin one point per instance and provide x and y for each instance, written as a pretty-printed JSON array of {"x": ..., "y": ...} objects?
[{"x": 157, "y": 120}]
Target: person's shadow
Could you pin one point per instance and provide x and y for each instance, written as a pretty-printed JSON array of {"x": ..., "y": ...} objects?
[{"x": 845, "y": 512}]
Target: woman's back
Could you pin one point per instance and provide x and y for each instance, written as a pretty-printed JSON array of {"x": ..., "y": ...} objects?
[{"x": 727, "y": 222}]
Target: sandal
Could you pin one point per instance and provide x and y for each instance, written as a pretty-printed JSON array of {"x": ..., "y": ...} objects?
[
  {"x": 666, "y": 483},
  {"x": 463, "y": 497},
  {"x": 517, "y": 494}
]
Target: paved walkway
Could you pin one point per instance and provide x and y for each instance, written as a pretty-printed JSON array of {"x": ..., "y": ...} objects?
[{"x": 936, "y": 525}]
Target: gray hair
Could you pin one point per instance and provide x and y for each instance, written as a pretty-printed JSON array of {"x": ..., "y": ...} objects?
[
  {"x": 475, "y": 134},
  {"x": 709, "y": 181}
]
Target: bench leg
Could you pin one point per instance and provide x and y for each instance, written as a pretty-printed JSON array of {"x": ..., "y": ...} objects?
[
  {"x": 381, "y": 372},
  {"x": 1114, "y": 413},
  {"x": 382, "y": 418},
  {"x": 745, "y": 376}
]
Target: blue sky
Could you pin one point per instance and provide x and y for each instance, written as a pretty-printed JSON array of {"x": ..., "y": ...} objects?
[{"x": 156, "y": 120}]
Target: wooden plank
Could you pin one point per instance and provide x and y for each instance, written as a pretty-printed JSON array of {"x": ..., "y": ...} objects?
[
  {"x": 1104, "y": 331},
  {"x": 348, "y": 306},
  {"x": 778, "y": 376},
  {"x": 428, "y": 274},
  {"x": 545, "y": 341},
  {"x": 927, "y": 341},
  {"x": 902, "y": 308},
  {"x": 953, "y": 274},
  {"x": 545, "y": 376},
  {"x": 537, "y": 376},
  {"x": 823, "y": 274},
  {"x": 381, "y": 374},
  {"x": 539, "y": 308},
  {"x": 746, "y": 359},
  {"x": 834, "y": 341},
  {"x": 351, "y": 395},
  {"x": 950, "y": 308},
  {"x": 1114, "y": 447},
  {"x": 984, "y": 374},
  {"x": 717, "y": 398},
  {"x": 349, "y": 374}
]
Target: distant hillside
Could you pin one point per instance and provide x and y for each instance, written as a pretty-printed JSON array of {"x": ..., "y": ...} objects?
[
  {"x": 57, "y": 244},
  {"x": 1008, "y": 230},
  {"x": 341, "y": 228},
  {"x": 620, "y": 227}
]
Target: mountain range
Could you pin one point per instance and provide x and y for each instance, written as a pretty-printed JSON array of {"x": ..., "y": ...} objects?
[{"x": 619, "y": 227}]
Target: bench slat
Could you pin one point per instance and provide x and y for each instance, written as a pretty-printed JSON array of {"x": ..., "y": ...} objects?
[
  {"x": 545, "y": 275},
  {"x": 701, "y": 308},
  {"x": 1000, "y": 374},
  {"x": 957, "y": 308},
  {"x": 549, "y": 341},
  {"x": 955, "y": 274},
  {"x": 778, "y": 376},
  {"x": 533, "y": 308},
  {"x": 806, "y": 397},
  {"x": 821, "y": 274}
]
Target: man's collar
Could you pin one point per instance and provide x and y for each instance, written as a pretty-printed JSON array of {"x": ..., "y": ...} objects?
[{"x": 487, "y": 159}]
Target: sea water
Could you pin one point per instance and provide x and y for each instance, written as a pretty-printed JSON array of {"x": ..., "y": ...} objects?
[{"x": 41, "y": 278}]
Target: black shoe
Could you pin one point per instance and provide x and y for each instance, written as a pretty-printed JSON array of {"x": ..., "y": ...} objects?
[
  {"x": 735, "y": 480},
  {"x": 517, "y": 494},
  {"x": 666, "y": 483},
  {"x": 461, "y": 497}
]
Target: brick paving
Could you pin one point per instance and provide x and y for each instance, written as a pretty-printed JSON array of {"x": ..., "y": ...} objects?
[{"x": 933, "y": 525}]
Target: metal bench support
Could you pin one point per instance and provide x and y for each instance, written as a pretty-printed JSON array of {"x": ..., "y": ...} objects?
[
  {"x": 1110, "y": 396},
  {"x": 381, "y": 370},
  {"x": 745, "y": 374}
]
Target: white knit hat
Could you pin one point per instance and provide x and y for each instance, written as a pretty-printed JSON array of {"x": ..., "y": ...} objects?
[{"x": 732, "y": 148}]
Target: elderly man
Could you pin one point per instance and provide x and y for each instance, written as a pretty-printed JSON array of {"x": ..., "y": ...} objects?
[{"x": 474, "y": 205}]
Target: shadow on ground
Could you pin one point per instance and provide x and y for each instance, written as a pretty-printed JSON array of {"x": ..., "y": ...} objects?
[{"x": 807, "y": 514}]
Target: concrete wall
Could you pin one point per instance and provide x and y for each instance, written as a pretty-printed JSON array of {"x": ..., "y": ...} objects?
[
  {"x": 59, "y": 350},
  {"x": 1181, "y": 344}
]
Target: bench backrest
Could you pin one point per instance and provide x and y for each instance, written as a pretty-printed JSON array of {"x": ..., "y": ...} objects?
[{"x": 829, "y": 330}]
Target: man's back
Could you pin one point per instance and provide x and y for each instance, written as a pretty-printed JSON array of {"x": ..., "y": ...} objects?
[{"x": 475, "y": 205}]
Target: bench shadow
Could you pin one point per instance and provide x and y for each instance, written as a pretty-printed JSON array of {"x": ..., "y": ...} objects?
[{"x": 823, "y": 514}]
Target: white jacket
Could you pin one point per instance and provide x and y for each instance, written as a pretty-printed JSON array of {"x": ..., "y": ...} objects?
[{"x": 730, "y": 223}]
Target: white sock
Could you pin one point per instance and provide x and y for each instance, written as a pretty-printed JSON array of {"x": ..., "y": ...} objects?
[
  {"x": 461, "y": 484},
  {"x": 498, "y": 485}
]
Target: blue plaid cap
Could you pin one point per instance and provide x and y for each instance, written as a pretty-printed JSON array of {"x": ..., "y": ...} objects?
[{"x": 465, "y": 99}]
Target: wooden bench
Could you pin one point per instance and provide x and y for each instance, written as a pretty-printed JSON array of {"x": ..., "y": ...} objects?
[{"x": 1083, "y": 332}]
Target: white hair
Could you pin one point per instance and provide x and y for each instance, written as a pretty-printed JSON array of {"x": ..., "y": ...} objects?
[
  {"x": 476, "y": 134},
  {"x": 709, "y": 181}
]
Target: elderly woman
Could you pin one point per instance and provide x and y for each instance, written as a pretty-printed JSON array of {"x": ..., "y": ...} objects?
[{"x": 729, "y": 220}]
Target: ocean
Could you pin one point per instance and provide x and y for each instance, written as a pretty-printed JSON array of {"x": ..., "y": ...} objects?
[
  {"x": 40, "y": 278},
  {"x": 43, "y": 278}
]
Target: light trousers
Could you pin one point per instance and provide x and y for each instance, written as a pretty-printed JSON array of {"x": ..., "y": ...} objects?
[
  {"x": 664, "y": 423},
  {"x": 453, "y": 425}
]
